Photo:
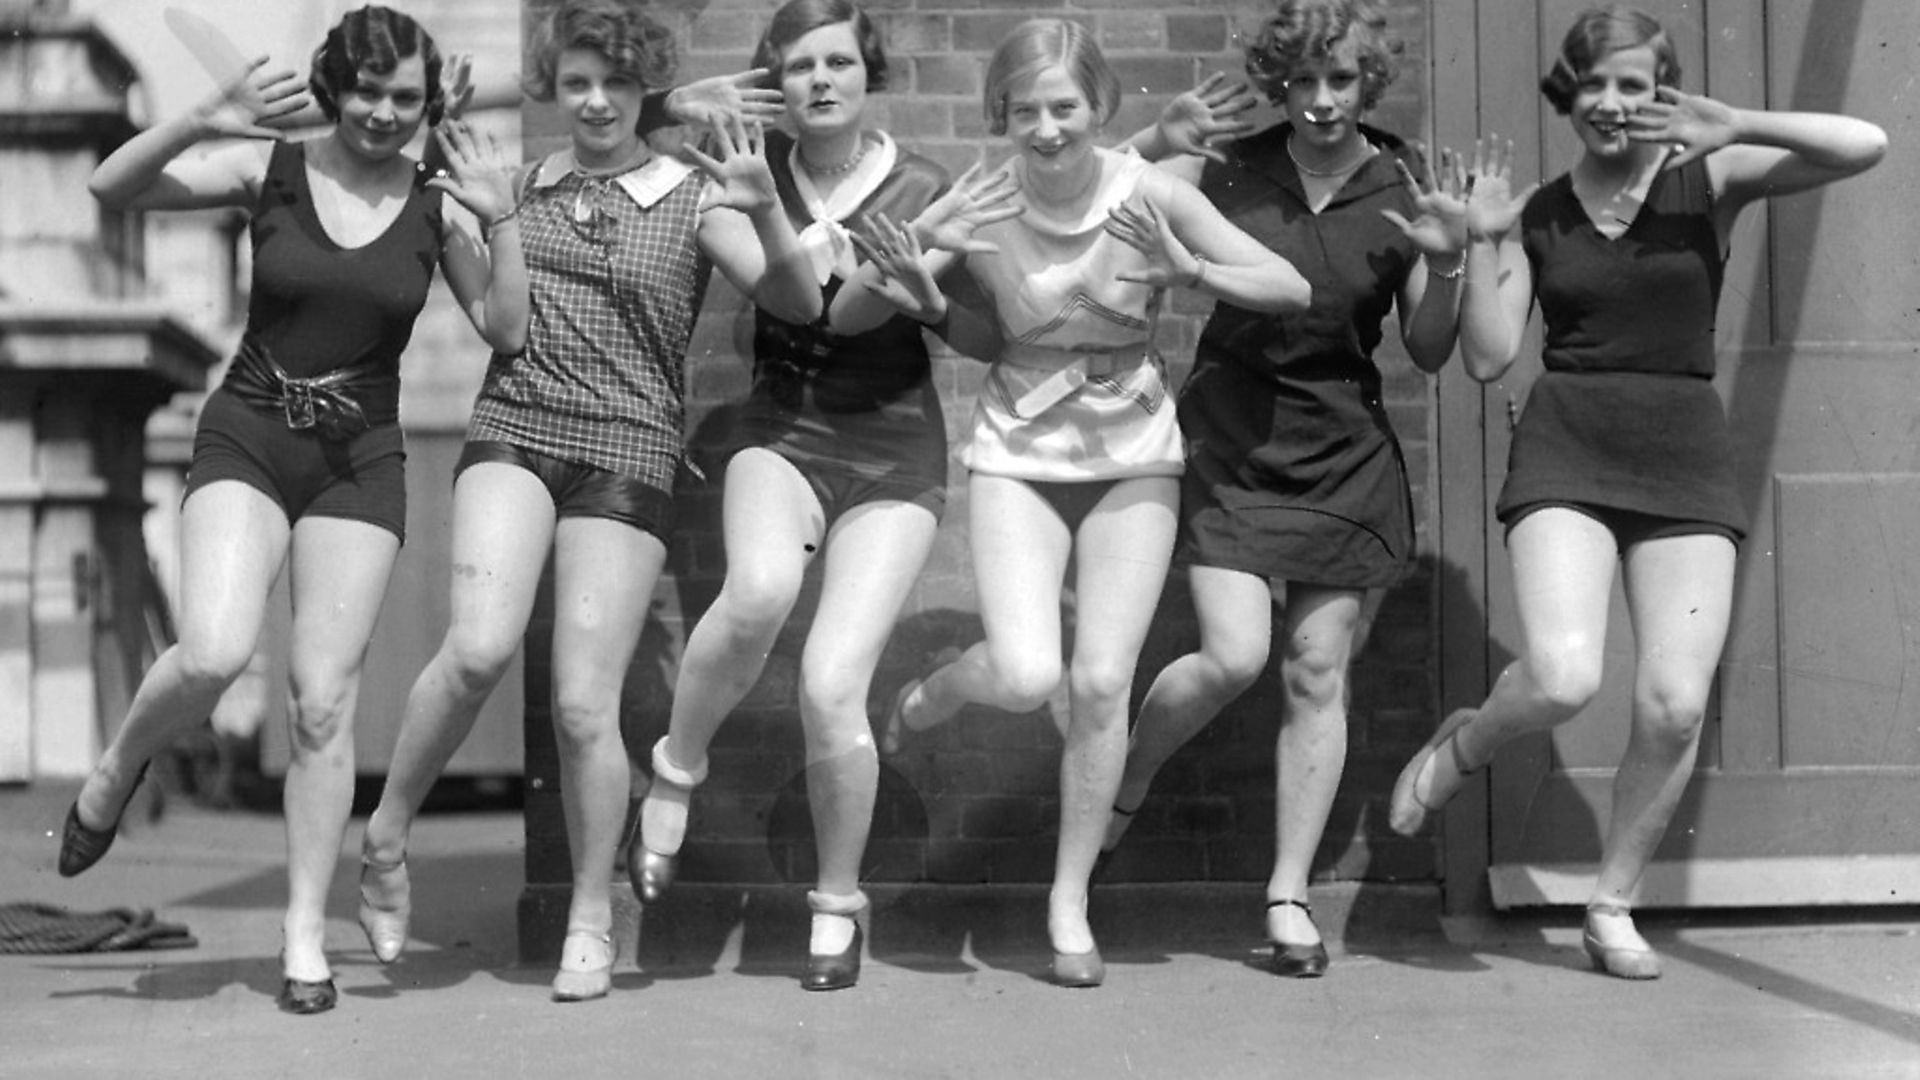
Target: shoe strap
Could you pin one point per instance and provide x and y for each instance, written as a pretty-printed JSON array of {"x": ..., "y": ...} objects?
[
  {"x": 846, "y": 905},
  {"x": 1608, "y": 907},
  {"x": 665, "y": 768},
  {"x": 1301, "y": 904},
  {"x": 1460, "y": 764}
]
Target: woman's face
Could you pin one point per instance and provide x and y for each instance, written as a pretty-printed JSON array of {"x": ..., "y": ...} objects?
[
  {"x": 1051, "y": 123},
  {"x": 601, "y": 104},
  {"x": 1324, "y": 96},
  {"x": 824, "y": 79},
  {"x": 1607, "y": 94},
  {"x": 379, "y": 114}
]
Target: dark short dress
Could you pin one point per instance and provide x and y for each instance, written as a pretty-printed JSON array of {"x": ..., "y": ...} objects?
[
  {"x": 1625, "y": 416},
  {"x": 1293, "y": 470},
  {"x": 857, "y": 407}
]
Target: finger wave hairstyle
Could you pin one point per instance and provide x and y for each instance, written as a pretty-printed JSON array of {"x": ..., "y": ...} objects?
[
  {"x": 633, "y": 42},
  {"x": 1308, "y": 30},
  {"x": 1597, "y": 32},
  {"x": 376, "y": 39},
  {"x": 1038, "y": 44},
  {"x": 798, "y": 18}
]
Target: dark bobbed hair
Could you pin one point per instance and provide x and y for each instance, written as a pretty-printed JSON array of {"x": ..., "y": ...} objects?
[
  {"x": 1598, "y": 32},
  {"x": 376, "y": 39},
  {"x": 620, "y": 30},
  {"x": 1303, "y": 30},
  {"x": 798, "y": 18},
  {"x": 1038, "y": 44}
]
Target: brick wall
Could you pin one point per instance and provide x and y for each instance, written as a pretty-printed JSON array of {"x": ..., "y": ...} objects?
[{"x": 976, "y": 801}]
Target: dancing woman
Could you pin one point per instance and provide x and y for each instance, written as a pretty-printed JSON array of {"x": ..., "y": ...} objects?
[
  {"x": 298, "y": 454},
  {"x": 841, "y": 455},
  {"x": 1622, "y": 456},
  {"x": 574, "y": 444},
  {"x": 1295, "y": 484},
  {"x": 1074, "y": 452}
]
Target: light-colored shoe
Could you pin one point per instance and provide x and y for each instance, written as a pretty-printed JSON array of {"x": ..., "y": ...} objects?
[
  {"x": 586, "y": 966},
  {"x": 1407, "y": 812},
  {"x": 1619, "y": 961},
  {"x": 385, "y": 905}
]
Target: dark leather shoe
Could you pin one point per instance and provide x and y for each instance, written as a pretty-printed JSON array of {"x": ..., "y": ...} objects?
[
  {"x": 1298, "y": 961},
  {"x": 306, "y": 998},
  {"x": 81, "y": 847},
  {"x": 649, "y": 871},
  {"x": 837, "y": 971},
  {"x": 1079, "y": 970}
]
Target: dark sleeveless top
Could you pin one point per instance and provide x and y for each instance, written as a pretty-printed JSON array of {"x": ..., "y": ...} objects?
[
  {"x": 1293, "y": 470},
  {"x": 1626, "y": 416},
  {"x": 861, "y": 405},
  {"x": 318, "y": 307}
]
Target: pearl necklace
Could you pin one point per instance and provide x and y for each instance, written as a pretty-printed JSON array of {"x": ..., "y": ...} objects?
[
  {"x": 1307, "y": 170},
  {"x": 846, "y": 166}
]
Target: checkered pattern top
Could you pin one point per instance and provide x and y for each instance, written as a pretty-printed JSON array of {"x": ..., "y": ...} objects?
[{"x": 617, "y": 280}]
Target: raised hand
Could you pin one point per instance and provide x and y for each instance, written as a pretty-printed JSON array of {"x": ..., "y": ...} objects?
[
  {"x": 712, "y": 100},
  {"x": 740, "y": 173},
  {"x": 905, "y": 282},
  {"x": 478, "y": 173},
  {"x": 973, "y": 202},
  {"x": 1696, "y": 126},
  {"x": 1199, "y": 119},
  {"x": 456, "y": 85},
  {"x": 1439, "y": 227},
  {"x": 244, "y": 106},
  {"x": 1141, "y": 226},
  {"x": 1493, "y": 207}
]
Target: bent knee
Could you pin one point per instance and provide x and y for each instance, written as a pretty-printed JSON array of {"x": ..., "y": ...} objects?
[
  {"x": 1566, "y": 681},
  {"x": 1026, "y": 683},
  {"x": 211, "y": 664},
  {"x": 756, "y": 604}
]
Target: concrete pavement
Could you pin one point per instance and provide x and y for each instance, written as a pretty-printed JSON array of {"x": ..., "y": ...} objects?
[{"x": 954, "y": 985}]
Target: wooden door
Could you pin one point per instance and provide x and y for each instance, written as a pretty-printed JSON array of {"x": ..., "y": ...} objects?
[{"x": 1807, "y": 776}]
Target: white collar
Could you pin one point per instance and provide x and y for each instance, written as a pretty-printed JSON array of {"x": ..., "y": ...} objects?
[
  {"x": 825, "y": 241},
  {"x": 874, "y": 168},
  {"x": 645, "y": 184}
]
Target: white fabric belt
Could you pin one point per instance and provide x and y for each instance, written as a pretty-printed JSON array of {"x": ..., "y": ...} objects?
[{"x": 1068, "y": 377}]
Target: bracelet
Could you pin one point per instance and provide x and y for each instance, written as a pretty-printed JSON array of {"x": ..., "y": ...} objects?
[
  {"x": 1459, "y": 269},
  {"x": 487, "y": 227}
]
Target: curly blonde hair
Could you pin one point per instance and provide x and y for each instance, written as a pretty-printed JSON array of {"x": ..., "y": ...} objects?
[
  {"x": 1303, "y": 30},
  {"x": 620, "y": 30}
]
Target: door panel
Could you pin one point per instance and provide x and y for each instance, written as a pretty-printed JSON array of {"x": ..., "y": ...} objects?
[{"x": 1812, "y": 745}]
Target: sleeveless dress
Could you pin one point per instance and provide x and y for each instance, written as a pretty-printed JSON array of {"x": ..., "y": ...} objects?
[
  {"x": 859, "y": 406},
  {"x": 616, "y": 278},
  {"x": 1293, "y": 470},
  {"x": 317, "y": 308},
  {"x": 1625, "y": 415},
  {"x": 1078, "y": 393}
]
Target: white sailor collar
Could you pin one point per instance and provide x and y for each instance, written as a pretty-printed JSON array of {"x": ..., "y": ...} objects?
[{"x": 645, "y": 184}]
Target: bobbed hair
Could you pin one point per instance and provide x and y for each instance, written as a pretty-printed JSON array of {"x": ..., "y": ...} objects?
[
  {"x": 1307, "y": 30},
  {"x": 798, "y": 18},
  {"x": 373, "y": 38},
  {"x": 633, "y": 42},
  {"x": 1598, "y": 32},
  {"x": 1038, "y": 44}
]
